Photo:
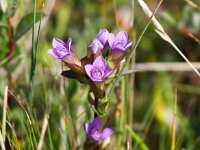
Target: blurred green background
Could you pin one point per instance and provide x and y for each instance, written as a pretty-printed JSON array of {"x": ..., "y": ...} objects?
[{"x": 143, "y": 101}]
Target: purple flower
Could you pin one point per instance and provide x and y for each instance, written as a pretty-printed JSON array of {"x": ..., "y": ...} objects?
[
  {"x": 119, "y": 42},
  {"x": 102, "y": 36},
  {"x": 98, "y": 70},
  {"x": 93, "y": 130},
  {"x": 95, "y": 46},
  {"x": 60, "y": 49}
]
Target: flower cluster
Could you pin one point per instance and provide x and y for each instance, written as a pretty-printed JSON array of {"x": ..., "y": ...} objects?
[{"x": 104, "y": 56}]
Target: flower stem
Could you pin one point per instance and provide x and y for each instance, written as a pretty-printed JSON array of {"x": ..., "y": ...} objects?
[{"x": 96, "y": 107}]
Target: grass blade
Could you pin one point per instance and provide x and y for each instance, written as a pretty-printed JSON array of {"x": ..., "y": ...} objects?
[
  {"x": 1, "y": 142},
  {"x": 174, "y": 124},
  {"x": 25, "y": 24},
  {"x": 50, "y": 139},
  {"x": 4, "y": 113},
  {"x": 28, "y": 118},
  {"x": 137, "y": 138},
  {"x": 34, "y": 52},
  {"x": 33, "y": 42},
  {"x": 44, "y": 128}
]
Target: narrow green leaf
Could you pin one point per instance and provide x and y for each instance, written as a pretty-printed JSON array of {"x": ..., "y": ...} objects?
[
  {"x": 25, "y": 24},
  {"x": 137, "y": 138}
]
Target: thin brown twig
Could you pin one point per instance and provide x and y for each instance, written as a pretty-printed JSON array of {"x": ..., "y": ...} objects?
[
  {"x": 18, "y": 101},
  {"x": 169, "y": 66},
  {"x": 192, "y": 4},
  {"x": 194, "y": 38}
]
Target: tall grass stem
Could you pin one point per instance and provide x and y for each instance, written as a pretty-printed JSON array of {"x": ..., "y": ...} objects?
[
  {"x": 174, "y": 123},
  {"x": 4, "y": 113},
  {"x": 44, "y": 128},
  {"x": 137, "y": 139},
  {"x": 2, "y": 142}
]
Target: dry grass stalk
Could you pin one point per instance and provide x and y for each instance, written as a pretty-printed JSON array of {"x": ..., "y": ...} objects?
[
  {"x": 169, "y": 66},
  {"x": 18, "y": 101},
  {"x": 5, "y": 102},
  {"x": 1, "y": 142},
  {"x": 44, "y": 129},
  {"x": 194, "y": 38},
  {"x": 160, "y": 31}
]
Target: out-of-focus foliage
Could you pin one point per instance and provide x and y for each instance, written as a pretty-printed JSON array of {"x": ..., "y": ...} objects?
[{"x": 143, "y": 101}]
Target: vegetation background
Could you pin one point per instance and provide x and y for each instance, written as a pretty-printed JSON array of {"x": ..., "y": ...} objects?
[{"x": 43, "y": 110}]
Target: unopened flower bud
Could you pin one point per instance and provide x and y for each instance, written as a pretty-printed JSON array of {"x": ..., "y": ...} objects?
[
  {"x": 102, "y": 36},
  {"x": 95, "y": 47}
]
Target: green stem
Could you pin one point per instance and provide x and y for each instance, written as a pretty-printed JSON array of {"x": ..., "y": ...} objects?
[{"x": 95, "y": 106}]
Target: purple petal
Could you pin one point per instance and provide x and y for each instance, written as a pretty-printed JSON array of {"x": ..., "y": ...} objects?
[
  {"x": 122, "y": 36},
  {"x": 68, "y": 44},
  {"x": 119, "y": 47},
  {"x": 97, "y": 75},
  {"x": 88, "y": 69},
  {"x": 128, "y": 45},
  {"x": 52, "y": 52},
  {"x": 57, "y": 42},
  {"x": 121, "y": 41},
  {"x": 111, "y": 39},
  {"x": 95, "y": 46},
  {"x": 97, "y": 136},
  {"x": 106, "y": 133},
  {"x": 107, "y": 72},
  {"x": 99, "y": 63},
  {"x": 92, "y": 127},
  {"x": 102, "y": 36}
]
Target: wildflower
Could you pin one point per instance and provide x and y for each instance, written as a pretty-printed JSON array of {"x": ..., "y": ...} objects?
[
  {"x": 60, "y": 49},
  {"x": 98, "y": 71},
  {"x": 93, "y": 130},
  {"x": 95, "y": 47},
  {"x": 102, "y": 36},
  {"x": 119, "y": 42}
]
